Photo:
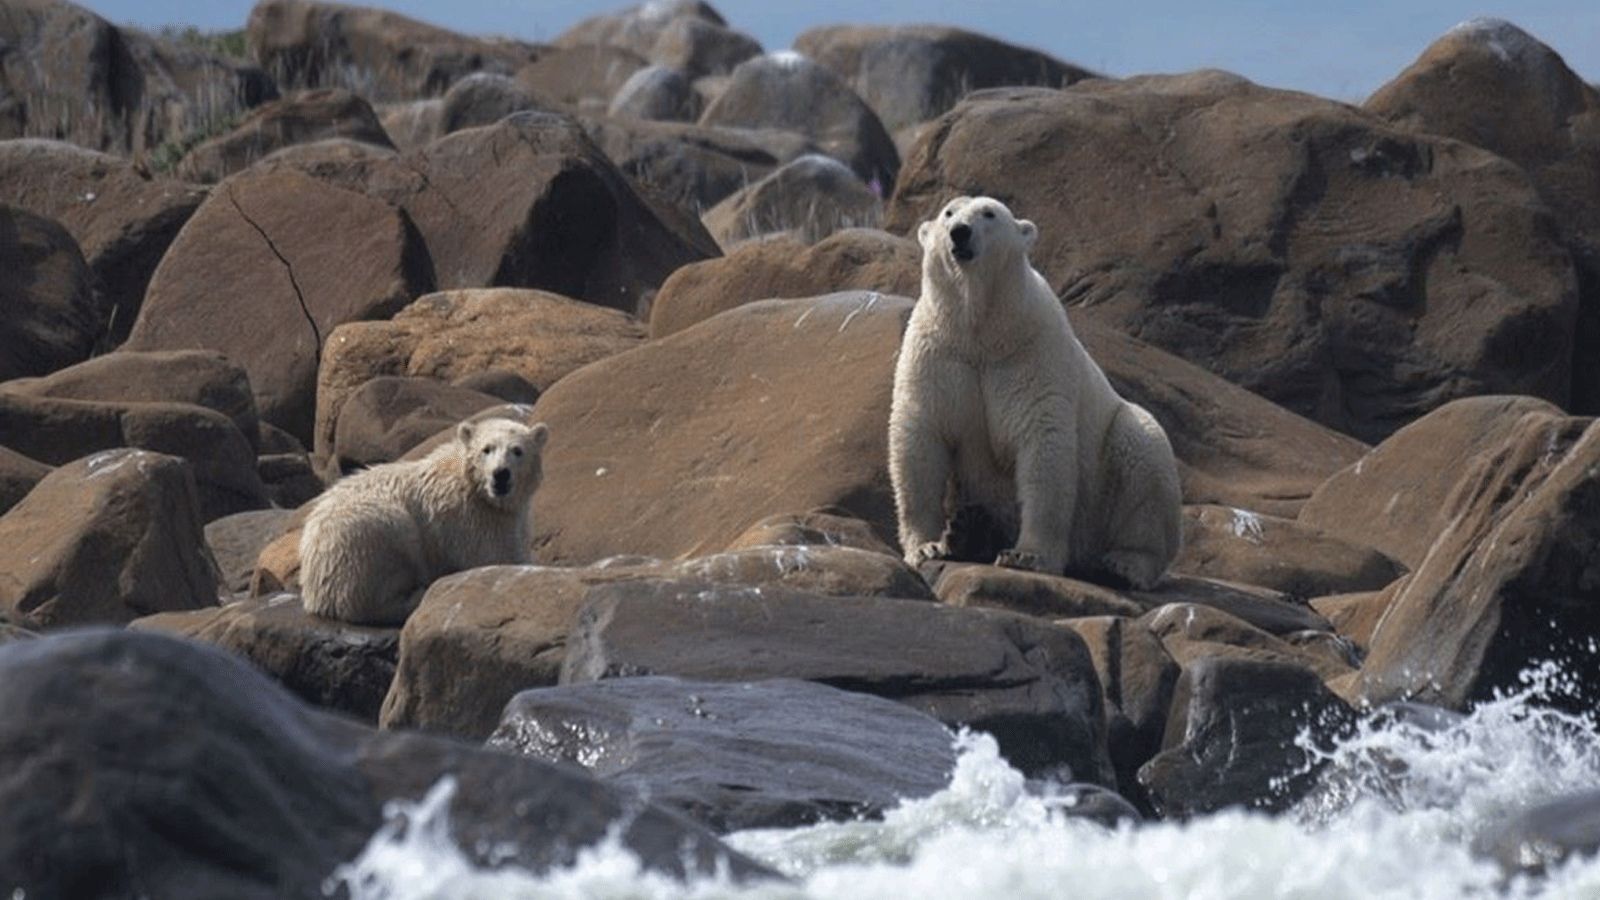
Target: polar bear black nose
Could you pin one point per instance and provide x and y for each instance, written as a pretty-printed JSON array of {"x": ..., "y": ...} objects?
[
  {"x": 502, "y": 481},
  {"x": 961, "y": 241}
]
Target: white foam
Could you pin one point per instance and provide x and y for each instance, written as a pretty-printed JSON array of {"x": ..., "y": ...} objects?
[{"x": 1416, "y": 798}]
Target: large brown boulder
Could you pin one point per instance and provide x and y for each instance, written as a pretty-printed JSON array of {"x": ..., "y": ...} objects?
[
  {"x": 484, "y": 98},
  {"x": 389, "y": 415},
  {"x": 578, "y": 78},
  {"x": 106, "y": 539},
  {"x": 1399, "y": 497},
  {"x": 694, "y": 166},
  {"x": 786, "y": 90},
  {"x": 1357, "y": 273},
  {"x": 1191, "y": 632},
  {"x": 453, "y": 334},
  {"x": 699, "y": 47},
  {"x": 912, "y": 73},
  {"x": 529, "y": 201},
  {"x": 123, "y": 217},
  {"x": 811, "y": 198},
  {"x": 686, "y": 35},
  {"x": 1034, "y": 593},
  {"x": 302, "y": 117},
  {"x": 656, "y": 93},
  {"x": 1233, "y": 447},
  {"x": 1510, "y": 580},
  {"x": 379, "y": 54},
  {"x": 264, "y": 271},
  {"x": 1491, "y": 84},
  {"x": 726, "y": 422},
  {"x": 199, "y": 377},
  {"x": 639, "y": 27},
  {"x": 73, "y": 76},
  {"x": 58, "y": 431},
  {"x": 674, "y": 448},
  {"x": 52, "y": 316},
  {"x": 856, "y": 259}
]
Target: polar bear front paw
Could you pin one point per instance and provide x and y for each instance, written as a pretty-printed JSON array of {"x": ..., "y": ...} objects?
[
  {"x": 927, "y": 552},
  {"x": 1019, "y": 559}
]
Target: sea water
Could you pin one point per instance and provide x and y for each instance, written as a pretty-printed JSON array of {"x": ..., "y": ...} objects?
[{"x": 1396, "y": 816}]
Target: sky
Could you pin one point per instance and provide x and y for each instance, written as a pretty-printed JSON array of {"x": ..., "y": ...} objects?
[{"x": 1341, "y": 50}]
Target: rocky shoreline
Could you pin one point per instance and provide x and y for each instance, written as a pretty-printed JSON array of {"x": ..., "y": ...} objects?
[{"x": 1369, "y": 332}]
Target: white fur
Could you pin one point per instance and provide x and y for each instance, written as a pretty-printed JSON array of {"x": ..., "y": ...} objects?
[
  {"x": 997, "y": 404},
  {"x": 374, "y": 541}
]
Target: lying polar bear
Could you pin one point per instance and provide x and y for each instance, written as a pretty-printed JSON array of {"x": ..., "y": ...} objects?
[{"x": 996, "y": 405}]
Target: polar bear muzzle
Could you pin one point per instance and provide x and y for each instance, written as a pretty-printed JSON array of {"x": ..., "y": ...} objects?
[{"x": 961, "y": 246}]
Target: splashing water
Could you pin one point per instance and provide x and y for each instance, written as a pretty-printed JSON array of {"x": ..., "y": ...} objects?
[{"x": 1399, "y": 806}]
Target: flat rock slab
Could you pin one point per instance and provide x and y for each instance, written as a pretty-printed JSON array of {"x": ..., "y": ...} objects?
[
  {"x": 1029, "y": 683},
  {"x": 767, "y": 754},
  {"x": 481, "y": 636}
]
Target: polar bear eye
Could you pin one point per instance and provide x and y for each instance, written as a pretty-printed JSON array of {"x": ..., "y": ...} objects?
[
  {"x": 517, "y": 452},
  {"x": 988, "y": 214}
]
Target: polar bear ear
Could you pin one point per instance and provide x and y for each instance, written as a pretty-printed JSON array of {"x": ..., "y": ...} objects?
[
  {"x": 1029, "y": 231},
  {"x": 464, "y": 434},
  {"x": 925, "y": 234},
  {"x": 538, "y": 433}
]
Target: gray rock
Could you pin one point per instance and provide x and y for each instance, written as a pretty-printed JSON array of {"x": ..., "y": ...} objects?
[
  {"x": 1232, "y": 737},
  {"x": 193, "y": 776},
  {"x": 766, "y": 754}
]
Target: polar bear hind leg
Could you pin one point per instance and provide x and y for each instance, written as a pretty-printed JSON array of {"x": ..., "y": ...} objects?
[
  {"x": 367, "y": 571},
  {"x": 1143, "y": 502}
]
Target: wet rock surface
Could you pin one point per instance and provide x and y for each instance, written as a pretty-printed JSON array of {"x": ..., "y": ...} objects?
[{"x": 732, "y": 755}]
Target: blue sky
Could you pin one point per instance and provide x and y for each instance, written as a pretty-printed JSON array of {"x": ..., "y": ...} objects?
[{"x": 1343, "y": 50}]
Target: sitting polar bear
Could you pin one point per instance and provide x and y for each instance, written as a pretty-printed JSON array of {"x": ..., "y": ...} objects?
[
  {"x": 375, "y": 540},
  {"x": 996, "y": 405}
]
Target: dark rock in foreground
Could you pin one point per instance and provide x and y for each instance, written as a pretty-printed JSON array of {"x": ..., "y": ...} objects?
[
  {"x": 1232, "y": 737},
  {"x": 335, "y": 665},
  {"x": 190, "y": 775},
  {"x": 767, "y": 754}
]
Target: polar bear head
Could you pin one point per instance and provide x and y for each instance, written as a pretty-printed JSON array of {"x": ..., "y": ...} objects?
[
  {"x": 503, "y": 460},
  {"x": 974, "y": 232}
]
